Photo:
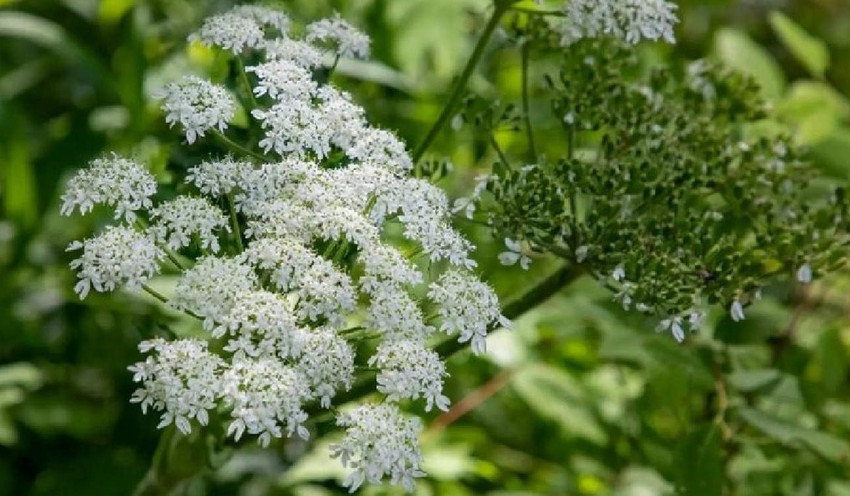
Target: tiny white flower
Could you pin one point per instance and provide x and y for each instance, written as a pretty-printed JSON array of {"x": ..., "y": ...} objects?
[
  {"x": 514, "y": 255},
  {"x": 804, "y": 273},
  {"x": 619, "y": 273},
  {"x": 676, "y": 329},
  {"x": 581, "y": 253},
  {"x": 737, "y": 311}
]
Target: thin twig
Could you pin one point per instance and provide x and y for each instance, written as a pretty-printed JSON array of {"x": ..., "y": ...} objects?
[{"x": 472, "y": 401}]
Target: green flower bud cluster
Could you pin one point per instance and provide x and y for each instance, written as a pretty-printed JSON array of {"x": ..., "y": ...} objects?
[{"x": 668, "y": 193}]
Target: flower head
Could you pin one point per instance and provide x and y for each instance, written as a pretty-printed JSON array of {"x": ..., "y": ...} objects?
[
  {"x": 379, "y": 442},
  {"x": 233, "y": 31},
  {"x": 628, "y": 20},
  {"x": 410, "y": 371},
  {"x": 344, "y": 38},
  {"x": 467, "y": 306},
  {"x": 326, "y": 363},
  {"x": 297, "y": 52},
  {"x": 197, "y": 105},
  {"x": 180, "y": 219},
  {"x": 120, "y": 257},
  {"x": 114, "y": 181},
  {"x": 210, "y": 288},
  {"x": 265, "y": 398},
  {"x": 180, "y": 378}
]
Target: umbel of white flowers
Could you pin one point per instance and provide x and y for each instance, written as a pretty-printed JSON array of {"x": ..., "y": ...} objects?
[{"x": 277, "y": 316}]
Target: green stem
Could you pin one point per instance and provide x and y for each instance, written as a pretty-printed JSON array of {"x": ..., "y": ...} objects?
[
  {"x": 236, "y": 147},
  {"x": 234, "y": 223},
  {"x": 527, "y": 10},
  {"x": 243, "y": 76},
  {"x": 499, "y": 152},
  {"x": 460, "y": 85},
  {"x": 154, "y": 293},
  {"x": 532, "y": 148},
  {"x": 515, "y": 308},
  {"x": 333, "y": 67}
]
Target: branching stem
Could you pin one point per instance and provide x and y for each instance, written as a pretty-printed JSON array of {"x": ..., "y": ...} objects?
[{"x": 460, "y": 85}]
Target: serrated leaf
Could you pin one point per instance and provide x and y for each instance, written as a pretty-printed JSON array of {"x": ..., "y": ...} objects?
[{"x": 810, "y": 51}]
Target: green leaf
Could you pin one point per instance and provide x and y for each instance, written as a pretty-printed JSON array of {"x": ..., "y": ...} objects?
[
  {"x": 753, "y": 380},
  {"x": 737, "y": 50},
  {"x": 830, "y": 447},
  {"x": 810, "y": 51},
  {"x": 555, "y": 395},
  {"x": 53, "y": 37},
  {"x": 699, "y": 463}
]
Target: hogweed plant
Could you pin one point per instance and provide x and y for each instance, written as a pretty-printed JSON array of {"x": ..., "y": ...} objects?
[{"x": 304, "y": 299}]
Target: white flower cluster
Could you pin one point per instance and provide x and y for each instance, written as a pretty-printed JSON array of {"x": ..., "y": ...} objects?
[
  {"x": 628, "y": 20},
  {"x": 241, "y": 28},
  {"x": 344, "y": 38},
  {"x": 467, "y": 306},
  {"x": 180, "y": 219},
  {"x": 114, "y": 181},
  {"x": 197, "y": 105},
  {"x": 318, "y": 270},
  {"x": 182, "y": 379},
  {"x": 121, "y": 256},
  {"x": 379, "y": 441}
]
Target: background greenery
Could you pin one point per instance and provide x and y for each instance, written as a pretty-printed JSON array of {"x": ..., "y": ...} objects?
[{"x": 580, "y": 398}]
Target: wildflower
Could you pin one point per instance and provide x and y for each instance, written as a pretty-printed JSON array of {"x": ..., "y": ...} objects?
[
  {"x": 183, "y": 217},
  {"x": 294, "y": 128},
  {"x": 181, "y": 379},
  {"x": 804, "y": 274},
  {"x": 283, "y": 81},
  {"x": 264, "y": 16},
  {"x": 344, "y": 38},
  {"x": 120, "y": 257},
  {"x": 628, "y": 20},
  {"x": 736, "y": 311},
  {"x": 467, "y": 306},
  {"x": 210, "y": 288},
  {"x": 326, "y": 363},
  {"x": 514, "y": 255},
  {"x": 231, "y": 31},
  {"x": 197, "y": 105},
  {"x": 114, "y": 181},
  {"x": 410, "y": 371},
  {"x": 261, "y": 324},
  {"x": 302, "y": 54},
  {"x": 217, "y": 177},
  {"x": 619, "y": 274},
  {"x": 265, "y": 397},
  {"x": 379, "y": 442}
]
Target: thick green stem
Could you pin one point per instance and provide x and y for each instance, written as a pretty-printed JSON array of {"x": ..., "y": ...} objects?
[
  {"x": 529, "y": 130},
  {"x": 515, "y": 308},
  {"x": 460, "y": 84}
]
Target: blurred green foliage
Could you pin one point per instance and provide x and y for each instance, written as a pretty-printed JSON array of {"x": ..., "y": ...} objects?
[{"x": 580, "y": 399}]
